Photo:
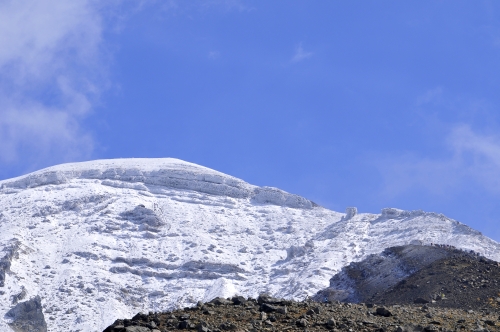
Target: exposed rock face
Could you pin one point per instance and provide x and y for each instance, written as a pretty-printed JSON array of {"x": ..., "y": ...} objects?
[
  {"x": 5, "y": 262},
  {"x": 27, "y": 316},
  {"x": 442, "y": 275},
  {"x": 460, "y": 281},
  {"x": 359, "y": 281}
]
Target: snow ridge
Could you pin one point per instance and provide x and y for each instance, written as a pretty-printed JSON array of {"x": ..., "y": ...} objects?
[
  {"x": 105, "y": 239},
  {"x": 172, "y": 173}
]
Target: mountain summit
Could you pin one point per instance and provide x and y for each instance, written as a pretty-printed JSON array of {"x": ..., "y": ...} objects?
[{"x": 83, "y": 244}]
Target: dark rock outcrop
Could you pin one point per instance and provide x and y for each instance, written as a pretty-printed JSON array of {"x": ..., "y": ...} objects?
[
  {"x": 5, "y": 262},
  {"x": 415, "y": 274},
  {"x": 27, "y": 316}
]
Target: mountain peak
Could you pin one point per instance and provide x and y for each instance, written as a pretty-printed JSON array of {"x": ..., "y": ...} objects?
[{"x": 110, "y": 238}]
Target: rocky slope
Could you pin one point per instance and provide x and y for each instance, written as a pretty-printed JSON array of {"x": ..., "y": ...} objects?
[
  {"x": 105, "y": 239},
  {"x": 460, "y": 281},
  {"x": 405, "y": 273},
  {"x": 271, "y": 314}
]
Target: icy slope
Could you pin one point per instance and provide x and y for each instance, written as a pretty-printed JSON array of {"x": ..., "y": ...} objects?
[{"x": 106, "y": 239}]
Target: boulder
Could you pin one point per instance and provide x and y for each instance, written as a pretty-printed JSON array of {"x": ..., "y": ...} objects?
[
  {"x": 302, "y": 322},
  {"x": 420, "y": 300},
  {"x": 266, "y": 298},
  {"x": 137, "y": 329},
  {"x": 239, "y": 300},
  {"x": 220, "y": 301},
  {"x": 383, "y": 312}
]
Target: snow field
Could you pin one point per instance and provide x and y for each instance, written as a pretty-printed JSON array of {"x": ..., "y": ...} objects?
[{"x": 107, "y": 239}]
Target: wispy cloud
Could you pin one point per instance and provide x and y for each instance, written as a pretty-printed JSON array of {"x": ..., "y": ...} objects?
[
  {"x": 178, "y": 6},
  {"x": 478, "y": 155},
  {"x": 213, "y": 55},
  {"x": 238, "y": 5},
  {"x": 430, "y": 96},
  {"x": 470, "y": 157},
  {"x": 45, "y": 131},
  {"x": 300, "y": 54},
  {"x": 468, "y": 144},
  {"x": 53, "y": 68},
  {"x": 50, "y": 60}
]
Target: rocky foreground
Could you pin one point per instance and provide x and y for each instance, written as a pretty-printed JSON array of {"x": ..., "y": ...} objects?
[{"x": 271, "y": 314}]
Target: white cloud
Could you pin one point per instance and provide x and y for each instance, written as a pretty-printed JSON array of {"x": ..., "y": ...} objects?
[
  {"x": 300, "y": 54},
  {"x": 33, "y": 34},
  {"x": 50, "y": 62},
  {"x": 469, "y": 150},
  {"x": 53, "y": 67},
  {"x": 479, "y": 155},
  {"x": 472, "y": 158},
  {"x": 47, "y": 132}
]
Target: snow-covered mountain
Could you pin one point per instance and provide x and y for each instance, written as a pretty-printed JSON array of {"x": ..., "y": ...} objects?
[{"x": 106, "y": 239}]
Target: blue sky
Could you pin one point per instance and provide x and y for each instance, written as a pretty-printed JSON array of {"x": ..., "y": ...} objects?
[{"x": 371, "y": 104}]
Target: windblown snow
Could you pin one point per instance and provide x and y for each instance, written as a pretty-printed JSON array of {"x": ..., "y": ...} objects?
[{"x": 106, "y": 239}]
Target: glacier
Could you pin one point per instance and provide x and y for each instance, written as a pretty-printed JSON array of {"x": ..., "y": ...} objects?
[{"x": 100, "y": 240}]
